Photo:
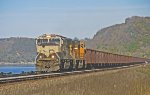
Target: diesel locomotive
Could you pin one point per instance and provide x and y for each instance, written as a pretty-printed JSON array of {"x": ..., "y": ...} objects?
[{"x": 55, "y": 52}]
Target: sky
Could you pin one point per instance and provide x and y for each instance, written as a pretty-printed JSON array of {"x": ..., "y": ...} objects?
[{"x": 70, "y": 18}]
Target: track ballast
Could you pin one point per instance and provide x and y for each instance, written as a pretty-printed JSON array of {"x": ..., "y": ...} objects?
[{"x": 57, "y": 74}]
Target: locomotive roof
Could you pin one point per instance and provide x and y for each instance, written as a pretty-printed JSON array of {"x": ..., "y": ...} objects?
[{"x": 50, "y": 35}]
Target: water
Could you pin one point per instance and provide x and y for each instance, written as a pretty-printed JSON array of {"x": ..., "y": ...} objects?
[{"x": 16, "y": 69}]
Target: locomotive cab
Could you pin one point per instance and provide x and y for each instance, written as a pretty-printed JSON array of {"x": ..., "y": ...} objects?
[{"x": 48, "y": 48}]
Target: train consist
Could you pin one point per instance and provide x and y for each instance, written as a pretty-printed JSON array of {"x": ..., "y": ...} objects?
[
  {"x": 96, "y": 59},
  {"x": 55, "y": 52}
]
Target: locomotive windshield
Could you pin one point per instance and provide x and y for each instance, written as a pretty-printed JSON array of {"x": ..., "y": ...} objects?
[
  {"x": 48, "y": 41},
  {"x": 54, "y": 41},
  {"x": 40, "y": 41}
]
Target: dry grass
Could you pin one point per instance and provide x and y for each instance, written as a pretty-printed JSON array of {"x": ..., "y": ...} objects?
[{"x": 118, "y": 82}]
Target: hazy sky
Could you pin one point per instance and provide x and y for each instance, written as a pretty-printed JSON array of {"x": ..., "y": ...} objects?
[{"x": 70, "y": 18}]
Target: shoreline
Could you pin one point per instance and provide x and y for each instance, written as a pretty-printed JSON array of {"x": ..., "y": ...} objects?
[{"x": 16, "y": 64}]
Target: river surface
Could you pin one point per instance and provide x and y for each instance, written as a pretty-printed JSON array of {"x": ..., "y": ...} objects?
[{"x": 16, "y": 69}]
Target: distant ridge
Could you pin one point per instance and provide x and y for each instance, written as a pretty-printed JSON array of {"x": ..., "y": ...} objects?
[
  {"x": 129, "y": 38},
  {"x": 17, "y": 50}
]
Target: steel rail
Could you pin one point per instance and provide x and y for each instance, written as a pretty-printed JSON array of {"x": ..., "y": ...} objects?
[{"x": 51, "y": 75}]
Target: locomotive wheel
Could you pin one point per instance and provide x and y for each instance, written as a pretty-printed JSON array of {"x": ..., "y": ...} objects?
[{"x": 77, "y": 65}]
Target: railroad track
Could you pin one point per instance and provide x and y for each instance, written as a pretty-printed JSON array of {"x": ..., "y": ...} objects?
[{"x": 52, "y": 75}]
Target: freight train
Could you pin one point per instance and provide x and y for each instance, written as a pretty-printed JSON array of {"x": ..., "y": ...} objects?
[{"x": 56, "y": 53}]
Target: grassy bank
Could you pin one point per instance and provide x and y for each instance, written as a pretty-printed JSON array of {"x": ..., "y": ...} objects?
[{"x": 135, "y": 81}]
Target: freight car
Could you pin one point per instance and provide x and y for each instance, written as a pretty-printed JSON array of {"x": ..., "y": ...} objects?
[
  {"x": 100, "y": 59},
  {"x": 55, "y": 52}
]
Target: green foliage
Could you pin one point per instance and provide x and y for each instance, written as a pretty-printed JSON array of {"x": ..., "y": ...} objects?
[
  {"x": 16, "y": 50},
  {"x": 133, "y": 46},
  {"x": 146, "y": 39}
]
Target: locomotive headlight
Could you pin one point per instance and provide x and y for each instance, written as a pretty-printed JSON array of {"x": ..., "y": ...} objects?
[
  {"x": 75, "y": 48},
  {"x": 53, "y": 56},
  {"x": 40, "y": 56}
]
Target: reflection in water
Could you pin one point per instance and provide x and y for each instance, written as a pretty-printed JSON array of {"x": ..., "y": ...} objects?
[{"x": 17, "y": 68}]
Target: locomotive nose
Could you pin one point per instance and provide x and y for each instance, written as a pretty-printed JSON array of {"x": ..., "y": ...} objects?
[
  {"x": 50, "y": 63},
  {"x": 53, "y": 56}
]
